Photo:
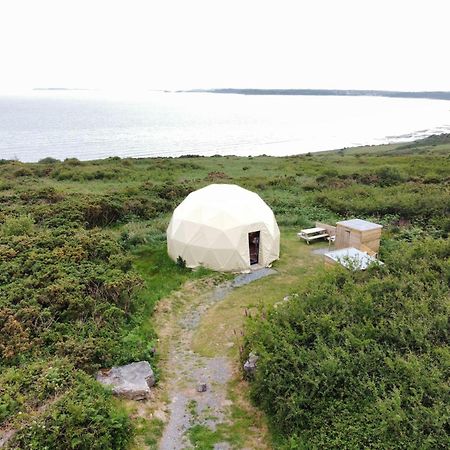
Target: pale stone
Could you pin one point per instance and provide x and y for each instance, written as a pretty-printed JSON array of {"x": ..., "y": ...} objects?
[
  {"x": 250, "y": 364},
  {"x": 132, "y": 381}
]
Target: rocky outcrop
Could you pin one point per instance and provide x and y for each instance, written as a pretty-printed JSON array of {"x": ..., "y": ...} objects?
[{"x": 132, "y": 381}]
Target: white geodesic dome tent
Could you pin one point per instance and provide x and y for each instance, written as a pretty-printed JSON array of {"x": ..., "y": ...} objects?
[{"x": 223, "y": 227}]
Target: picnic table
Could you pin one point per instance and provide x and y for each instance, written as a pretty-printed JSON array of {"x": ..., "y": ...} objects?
[{"x": 311, "y": 234}]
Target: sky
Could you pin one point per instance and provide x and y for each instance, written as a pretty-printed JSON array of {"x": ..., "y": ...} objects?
[{"x": 169, "y": 44}]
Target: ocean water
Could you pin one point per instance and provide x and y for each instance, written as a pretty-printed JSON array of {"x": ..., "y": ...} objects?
[{"x": 95, "y": 124}]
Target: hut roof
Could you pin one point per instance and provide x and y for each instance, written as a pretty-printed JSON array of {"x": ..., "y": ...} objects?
[{"x": 360, "y": 225}]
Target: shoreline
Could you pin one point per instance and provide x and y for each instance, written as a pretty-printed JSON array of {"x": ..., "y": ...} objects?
[{"x": 401, "y": 140}]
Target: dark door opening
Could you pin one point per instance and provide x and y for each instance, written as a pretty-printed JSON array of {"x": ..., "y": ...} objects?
[{"x": 253, "y": 245}]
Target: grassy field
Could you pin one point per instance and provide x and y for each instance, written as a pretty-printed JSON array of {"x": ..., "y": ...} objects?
[
  {"x": 225, "y": 321},
  {"x": 83, "y": 264}
]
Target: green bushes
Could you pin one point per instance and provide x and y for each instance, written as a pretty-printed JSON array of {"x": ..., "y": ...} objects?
[
  {"x": 25, "y": 389},
  {"x": 359, "y": 357},
  {"x": 136, "y": 233},
  {"x": 62, "y": 293},
  {"x": 173, "y": 192},
  {"x": 22, "y": 171},
  {"x": 17, "y": 226},
  {"x": 53, "y": 405},
  {"x": 59, "y": 407},
  {"x": 52, "y": 208},
  {"x": 70, "y": 173},
  {"x": 48, "y": 160},
  {"x": 407, "y": 201},
  {"x": 361, "y": 360},
  {"x": 68, "y": 294},
  {"x": 388, "y": 176},
  {"x": 72, "y": 162}
]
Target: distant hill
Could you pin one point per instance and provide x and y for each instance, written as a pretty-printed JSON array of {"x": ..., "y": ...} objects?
[
  {"x": 433, "y": 140},
  {"x": 59, "y": 89},
  {"x": 436, "y": 95},
  {"x": 436, "y": 144}
]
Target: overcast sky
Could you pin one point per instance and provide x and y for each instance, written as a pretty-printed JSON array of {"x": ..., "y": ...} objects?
[{"x": 168, "y": 44}]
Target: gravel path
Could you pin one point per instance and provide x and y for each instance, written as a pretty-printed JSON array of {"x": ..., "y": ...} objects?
[{"x": 186, "y": 370}]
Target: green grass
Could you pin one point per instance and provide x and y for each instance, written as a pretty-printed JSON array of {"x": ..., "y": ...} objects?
[
  {"x": 203, "y": 438},
  {"x": 160, "y": 274},
  {"x": 192, "y": 408},
  {"x": 148, "y": 432},
  {"x": 153, "y": 433},
  {"x": 235, "y": 433},
  {"x": 223, "y": 323}
]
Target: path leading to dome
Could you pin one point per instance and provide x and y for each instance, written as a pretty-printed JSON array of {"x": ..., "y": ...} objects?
[
  {"x": 214, "y": 417},
  {"x": 200, "y": 328}
]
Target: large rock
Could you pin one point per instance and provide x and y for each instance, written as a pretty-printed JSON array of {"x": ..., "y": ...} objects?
[
  {"x": 250, "y": 365},
  {"x": 132, "y": 381}
]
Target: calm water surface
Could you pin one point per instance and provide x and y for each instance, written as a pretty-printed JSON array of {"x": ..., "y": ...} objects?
[{"x": 94, "y": 124}]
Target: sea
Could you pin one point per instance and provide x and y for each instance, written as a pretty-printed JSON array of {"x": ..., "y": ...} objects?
[{"x": 99, "y": 124}]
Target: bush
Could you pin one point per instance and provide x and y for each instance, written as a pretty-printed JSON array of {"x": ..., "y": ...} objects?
[
  {"x": 72, "y": 162},
  {"x": 48, "y": 160},
  {"x": 134, "y": 234},
  {"x": 83, "y": 417},
  {"x": 17, "y": 226},
  {"x": 360, "y": 360},
  {"x": 388, "y": 176},
  {"x": 63, "y": 293},
  {"x": 173, "y": 192},
  {"x": 407, "y": 201},
  {"x": 22, "y": 171},
  {"x": 181, "y": 262}
]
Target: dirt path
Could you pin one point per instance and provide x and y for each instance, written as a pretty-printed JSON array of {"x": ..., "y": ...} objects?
[{"x": 214, "y": 418}]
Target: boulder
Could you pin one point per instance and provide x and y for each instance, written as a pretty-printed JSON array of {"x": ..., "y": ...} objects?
[
  {"x": 250, "y": 364},
  {"x": 132, "y": 381},
  {"x": 202, "y": 387}
]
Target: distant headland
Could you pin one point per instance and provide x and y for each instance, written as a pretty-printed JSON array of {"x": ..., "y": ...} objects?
[
  {"x": 435, "y": 95},
  {"x": 59, "y": 89}
]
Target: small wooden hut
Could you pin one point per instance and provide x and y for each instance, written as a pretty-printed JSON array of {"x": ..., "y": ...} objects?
[{"x": 359, "y": 234}]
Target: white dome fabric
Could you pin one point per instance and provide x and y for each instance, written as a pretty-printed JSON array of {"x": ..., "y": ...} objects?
[{"x": 211, "y": 228}]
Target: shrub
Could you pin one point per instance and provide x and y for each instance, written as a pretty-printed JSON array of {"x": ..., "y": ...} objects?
[
  {"x": 22, "y": 171},
  {"x": 173, "y": 192},
  {"x": 63, "y": 293},
  {"x": 360, "y": 360},
  {"x": 103, "y": 211},
  {"x": 181, "y": 262},
  {"x": 134, "y": 234},
  {"x": 407, "y": 201},
  {"x": 83, "y": 417},
  {"x": 72, "y": 162},
  {"x": 48, "y": 160},
  {"x": 17, "y": 226},
  {"x": 388, "y": 176},
  {"x": 4, "y": 186}
]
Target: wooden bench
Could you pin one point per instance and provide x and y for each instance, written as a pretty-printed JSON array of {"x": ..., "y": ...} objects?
[{"x": 311, "y": 234}]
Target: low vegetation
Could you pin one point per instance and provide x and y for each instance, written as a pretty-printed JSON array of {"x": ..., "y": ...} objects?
[
  {"x": 356, "y": 360},
  {"x": 361, "y": 360}
]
